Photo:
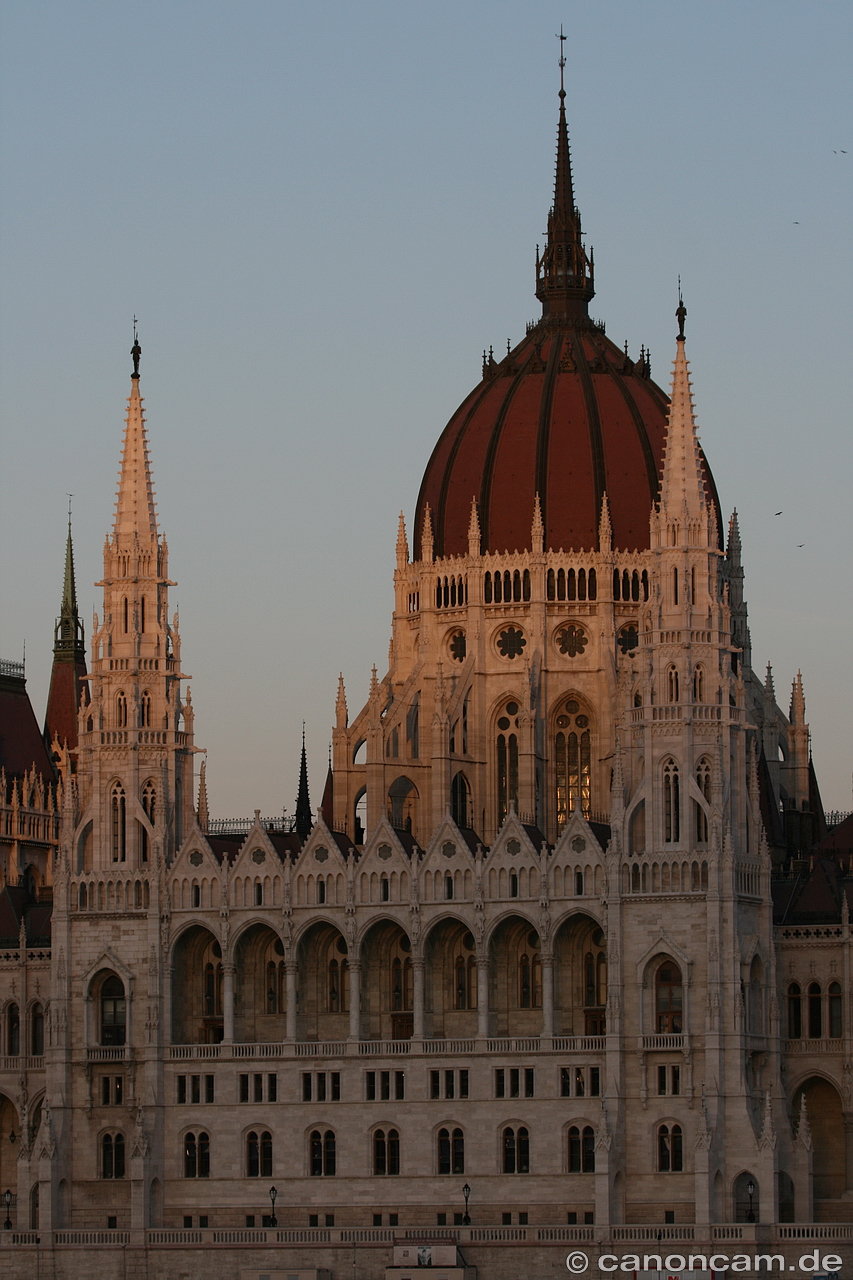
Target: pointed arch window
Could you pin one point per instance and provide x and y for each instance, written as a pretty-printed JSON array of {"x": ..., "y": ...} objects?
[
  {"x": 37, "y": 1030},
  {"x": 815, "y": 1011},
  {"x": 507, "y": 761},
  {"x": 835, "y": 1020},
  {"x": 451, "y": 1151},
  {"x": 795, "y": 1012},
  {"x": 121, "y": 710},
  {"x": 572, "y": 762},
  {"x": 13, "y": 1031},
  {"x": 671, "y": 803},
  {"x": 112, "y": 1155},
  {"x": 460, "y": 790},
  {"x": 145, "y": 710},
  {"x": 516, "y": 1151},
  {"x": 118, "y": 819},
  {"x": 699, "y": 684},
  {"x": 669, "y": 998},
  {"x": 149, "y": 808},
  {"x": 113, "y": 1011},
  {"x": 672, "y": 684},
  {"x": 670, "y": 1149}
]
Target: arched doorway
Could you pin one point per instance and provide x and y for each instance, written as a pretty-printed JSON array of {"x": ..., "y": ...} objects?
[
  {"x": 197, "y": 988},
  {"x": 323, "y": 984},
  {"x": 515, "y": 978},
  {"x": 823, "y": 1106},
  {"x": 387, "y": 983},
  {"x": 580, "y": 977},
  {"x": 450, "y": 977},
  {"x": 259, "y": 987}
]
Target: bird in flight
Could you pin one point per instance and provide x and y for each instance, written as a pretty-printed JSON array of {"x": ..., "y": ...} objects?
[{"x": 777, "y": 513}]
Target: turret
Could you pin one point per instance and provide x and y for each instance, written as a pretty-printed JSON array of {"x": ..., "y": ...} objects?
[{"x": 68, "y": 676}]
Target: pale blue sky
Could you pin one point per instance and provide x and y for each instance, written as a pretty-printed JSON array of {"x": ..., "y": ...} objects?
[{"x": 321, "y": 215}]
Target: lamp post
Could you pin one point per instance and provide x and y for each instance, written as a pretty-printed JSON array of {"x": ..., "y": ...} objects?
[
  {"x": 7, "y": 1196},
  {"x": 273, "y": 1194},
  {"x": 750, "y": 1191},
  {"x": 466, "y": 1217}
]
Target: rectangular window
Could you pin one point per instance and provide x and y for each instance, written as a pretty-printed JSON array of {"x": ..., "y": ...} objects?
[
  {"x": 589, "y": 1218},
  {"x": 500, "y": 1083},
  {"x": 244, "y": 1088},
  {"x": 195, "y": 1088},
  {"x": 514, "y": 1082},
  {"x": 565, "y": 1082},
  {"x": 399, "y": 1085},
  {"x": 463, "y": 1083},
  {"x": 209, "y": 1088},
  {"x": 669, "y": 1217},
  {"x": 370, "y": 1086},
  {"x": 259, "y": 1087},
  {"x": 377, "y": 1219},
  {"x": 306, "y": 1086},
  {"x": 321, "y": 1086},
  {"x": 385, "y": 1085},
  {"x": 105, "y": 1091},
  {"x": 313, "y": 1219},
  {"x": 580, "y": 1089},
  {"x": 330, "y": 1219},
  {"x": 203, "y": 1220},
  {"x": 188, "y": 1222},
  {"x": 448, "y": 1084},
  {"x": 676, "y": 1080},
  {"x": 250, "y": 1219},
  {"x": 595, "y": 1081},
  {"x": 393, "y": 1219},
  {"x": 522, "y": 1219},
  {"x": 182, "y": 1087},
  {"x": 661, "y": 1079},
  {"x": 336, "y": 1086},
  {"x": 572, "y": 1218},
  {"x": 528, "y": 1082},
  {"x": 272, "y": 1087},
  {"x": 457, "y": 1219},
  {"x": 506, "y": 1218},
  {"x": 441, "y": 1219},
  {"x": 435, "y": 1084}
]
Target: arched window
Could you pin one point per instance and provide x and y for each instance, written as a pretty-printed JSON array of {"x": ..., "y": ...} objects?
[
  {"x": 670, "y": 1149},
  {"x": 581, "y": 1150},
  {"x": 460, "y": 986},
  {"x": 668, "y": 998},
  {"x": 149, "y": 806},
  {"x": 815, "y": 1011},
  {"x": 113, "y": 1011},
  {"x": 13, "y": 1031},
  {"x": 145, "y": 710},
  {"x": 507, "y": 762},
  {"x": 835, "y": 1022},
  {"x": 253, "y": 1156},
  {"x": 703, "y": 782},
  {"x": 119, "y": 823},
  {"x": 755, "y": 998},
  {"x": 671, "y": 803},
  {"x": 451, "y": 1151},
  {"x": 121, "y": 710},
  {"x": 460, "y": 790},
  {"x": 402, "y": 985},
  {"x": 516, "y": 1151},
  {"x": 572, "y": 761},
  {"x": 795, "y": 1012},
  {"x": 322, "y": 1155},
  {"x": 386, "y": 1152},
  {"x": 112, "y": 1155},
  {"x": 699, "y": 684},
  {"x": 672, "y": 684},
  {"x": 37, "y": 1031},
  {"x": 212, "y": 990}
]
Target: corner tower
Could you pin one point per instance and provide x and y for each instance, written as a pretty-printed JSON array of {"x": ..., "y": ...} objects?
[{"x": 136, "y": 736}]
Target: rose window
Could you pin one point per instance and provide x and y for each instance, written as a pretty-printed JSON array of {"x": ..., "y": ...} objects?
[
  {"x": 511, "y": 642},
  {"x": 572, "y": 640}
]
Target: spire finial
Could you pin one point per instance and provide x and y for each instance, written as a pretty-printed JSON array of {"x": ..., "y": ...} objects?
[
  {"x": 680, "y": 313},
  {"x": 562, "y": 39},
  {"x": 135, "y": 351}
]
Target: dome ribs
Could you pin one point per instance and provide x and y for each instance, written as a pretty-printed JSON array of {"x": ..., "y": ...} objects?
[
  {"x": 593, "y": 420},
  {"x": 486, "y": 523},
  {"x": 544, "y": 437}
]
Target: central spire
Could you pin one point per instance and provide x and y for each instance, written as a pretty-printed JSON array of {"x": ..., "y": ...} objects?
[
  {"x": 564, "y": 273},
  {"x": 136, "y": 514}
]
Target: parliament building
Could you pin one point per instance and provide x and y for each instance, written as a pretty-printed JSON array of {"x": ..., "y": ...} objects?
[{"x": 563, "y": 961}]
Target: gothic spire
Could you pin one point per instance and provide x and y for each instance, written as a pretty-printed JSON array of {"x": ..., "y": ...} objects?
[
  {"x": 564, "y": 273},
  {"x": 67, "y": 678},
  {"x": 303, "y": 801},
  {"x": 136, "y": 513},
  {"x": 683, "y": 481}
]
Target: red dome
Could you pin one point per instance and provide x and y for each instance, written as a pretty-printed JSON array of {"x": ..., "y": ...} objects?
[{"x": 566, "y": 415}]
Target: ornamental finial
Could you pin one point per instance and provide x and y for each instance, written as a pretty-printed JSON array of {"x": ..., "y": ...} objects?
[
  {"x": 135, "y": 351},
  {"x": 681, "y": 313}
]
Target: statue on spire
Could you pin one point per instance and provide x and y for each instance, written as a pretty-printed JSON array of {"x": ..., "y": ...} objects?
[
  {"x": 135, "y": 350},
  {"x": 680, "y": 313}
]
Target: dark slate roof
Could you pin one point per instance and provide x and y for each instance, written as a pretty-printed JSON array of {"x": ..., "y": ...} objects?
[
  {"x": 22, "y": 746},
  {"x": 16, "y": 905}
]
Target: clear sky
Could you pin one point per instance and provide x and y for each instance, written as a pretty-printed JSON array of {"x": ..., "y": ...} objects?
[{"x": 321, "y": 215}]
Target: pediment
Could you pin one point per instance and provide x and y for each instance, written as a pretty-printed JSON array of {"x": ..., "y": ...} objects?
[
  {"x": 321, "y": 852},
  {"x": 512, "y": 844},
  {"x": 577, "y": 841},
  {"x": 384, "y": 848},
  {"x": 447, "y": 846},
  {"x": 257, "y": 852}
]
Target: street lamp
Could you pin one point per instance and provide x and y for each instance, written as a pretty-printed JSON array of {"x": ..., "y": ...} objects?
[
  {"x": 7, "y": 1196},
  {"x": 273, "y": 1194},
  {"x": 466, "y": 1217},
  {"x": 750, "y": 1191}
]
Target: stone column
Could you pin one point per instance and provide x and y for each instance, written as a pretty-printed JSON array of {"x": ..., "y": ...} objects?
[
  {"x": 355, "y": 999},
  {"x": 848, "y": 1150},
  {"x": 418, "y": 998},
  {"x": 290, "y": 971},
  {"x": 482, "y": 997},
  {"x": 227, "y": 1004},
  {"x": 547, "y": 997}
]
